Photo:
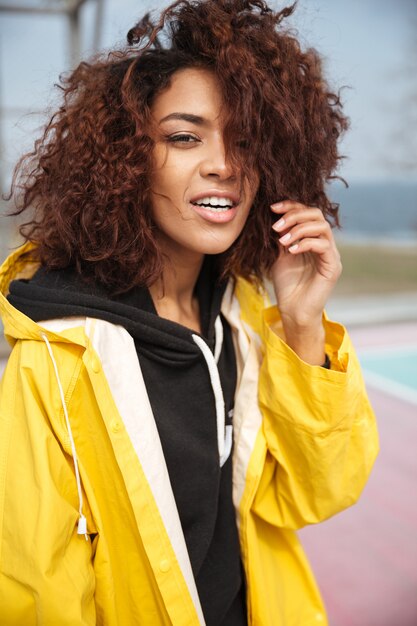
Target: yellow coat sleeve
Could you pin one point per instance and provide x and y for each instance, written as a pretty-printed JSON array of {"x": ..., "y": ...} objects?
[
  {"x": 46, "y": 573},
  {"x": 319, "y": 428}
]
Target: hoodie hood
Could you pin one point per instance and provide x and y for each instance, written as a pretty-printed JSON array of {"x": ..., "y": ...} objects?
[{"x": 61, "y": 293}]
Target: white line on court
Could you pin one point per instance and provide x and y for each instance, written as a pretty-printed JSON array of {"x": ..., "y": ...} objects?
[
  {"x": 391, "y": 350},
  {"x": 402, "y": 392}
]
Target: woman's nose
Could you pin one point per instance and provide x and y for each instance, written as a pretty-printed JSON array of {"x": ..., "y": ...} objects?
[{"x": 215, "y": 163}]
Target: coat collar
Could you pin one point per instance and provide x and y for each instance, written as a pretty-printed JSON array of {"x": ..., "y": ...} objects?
[{"x": 22, "y": 264}]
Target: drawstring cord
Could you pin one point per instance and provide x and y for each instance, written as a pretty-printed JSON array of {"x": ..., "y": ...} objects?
[
  {"x": 218, "y": 330},
  {"x": 224, "y": 433},
  {"x": 82, "y": 522}
]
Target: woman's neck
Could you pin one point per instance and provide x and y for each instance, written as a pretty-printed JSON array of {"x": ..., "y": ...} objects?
[{"x": 173, "y": 294}]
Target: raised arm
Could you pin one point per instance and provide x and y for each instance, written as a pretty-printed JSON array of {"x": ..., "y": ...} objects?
[{"x": 306, "y": 271}]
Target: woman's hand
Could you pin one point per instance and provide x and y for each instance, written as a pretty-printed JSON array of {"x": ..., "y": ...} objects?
[{"x": 304, "y": 274}]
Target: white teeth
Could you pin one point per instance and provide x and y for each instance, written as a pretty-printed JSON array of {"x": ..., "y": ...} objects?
[
  {"x": 216, "y": 209},
  {"x": 214, "y": 202}
]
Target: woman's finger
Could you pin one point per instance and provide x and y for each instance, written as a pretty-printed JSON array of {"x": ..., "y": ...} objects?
[
  {"x": 321, "y": 247},
  {"x": 309, "y": 229},
  {"x": 288, "y": 205},
  {"x": 297, "y": 216}
]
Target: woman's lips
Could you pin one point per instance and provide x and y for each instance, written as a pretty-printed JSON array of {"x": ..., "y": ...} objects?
[
  {"x": 215, "y": 216},
  {"x": 220, "y": 214}
]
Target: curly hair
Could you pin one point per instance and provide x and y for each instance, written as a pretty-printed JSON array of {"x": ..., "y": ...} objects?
[{"x": 87, "y": 178}]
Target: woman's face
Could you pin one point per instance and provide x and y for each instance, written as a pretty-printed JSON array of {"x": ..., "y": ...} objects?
[{"x": 199, "y": 203}]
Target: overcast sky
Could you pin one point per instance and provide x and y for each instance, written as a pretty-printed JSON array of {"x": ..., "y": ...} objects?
[{"x": 366, "y": 44}]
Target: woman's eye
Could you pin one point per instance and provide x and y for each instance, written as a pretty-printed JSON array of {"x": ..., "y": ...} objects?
[{"x": 182, "y": 138}]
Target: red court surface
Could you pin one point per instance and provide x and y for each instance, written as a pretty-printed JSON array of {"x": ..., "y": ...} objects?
[{"x": 365, "y": 559}]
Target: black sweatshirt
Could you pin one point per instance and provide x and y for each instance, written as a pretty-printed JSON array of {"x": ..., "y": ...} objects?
[{"x": 179, "y": 388}]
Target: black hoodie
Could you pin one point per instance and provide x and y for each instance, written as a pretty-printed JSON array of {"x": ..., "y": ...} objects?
[{"x": 179, "y": 388}]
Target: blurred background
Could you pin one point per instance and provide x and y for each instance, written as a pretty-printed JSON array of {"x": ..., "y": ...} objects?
[{"x": 366, "y": 558}]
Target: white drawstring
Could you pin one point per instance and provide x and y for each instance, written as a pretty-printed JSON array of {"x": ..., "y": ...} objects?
[
  {"x": 228, "y": 441},
  {"x": 224, "y": 434},
  {"x": 218, "y": 329},
  {"x": 82, "y": 522},
  {"x": 218, "y": 344}
]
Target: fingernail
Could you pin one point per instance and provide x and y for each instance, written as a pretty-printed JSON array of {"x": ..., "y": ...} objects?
[
  {"x": 277, "y": 205},
  {"x": 285, "y": 238},
  {"x": 279, "y": 224},
  {"x": 293, "y": 248}
]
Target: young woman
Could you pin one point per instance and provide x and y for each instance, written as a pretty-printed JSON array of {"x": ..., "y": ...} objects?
[{"x": 164, "y": 428}]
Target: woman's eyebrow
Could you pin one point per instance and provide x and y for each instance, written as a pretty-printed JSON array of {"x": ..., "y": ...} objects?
[{"x": 186, "y": 117}]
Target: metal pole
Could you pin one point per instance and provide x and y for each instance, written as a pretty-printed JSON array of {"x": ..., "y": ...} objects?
[
  {"x": 98, "y": 24},
  {"x": 74, "y": 38}
]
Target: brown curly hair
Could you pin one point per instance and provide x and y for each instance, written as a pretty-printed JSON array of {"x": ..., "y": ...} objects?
[{"x": 87, "y": 178}]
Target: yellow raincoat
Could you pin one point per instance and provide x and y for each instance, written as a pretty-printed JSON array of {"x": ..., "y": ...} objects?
[{"x": 305, "y": 441}]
